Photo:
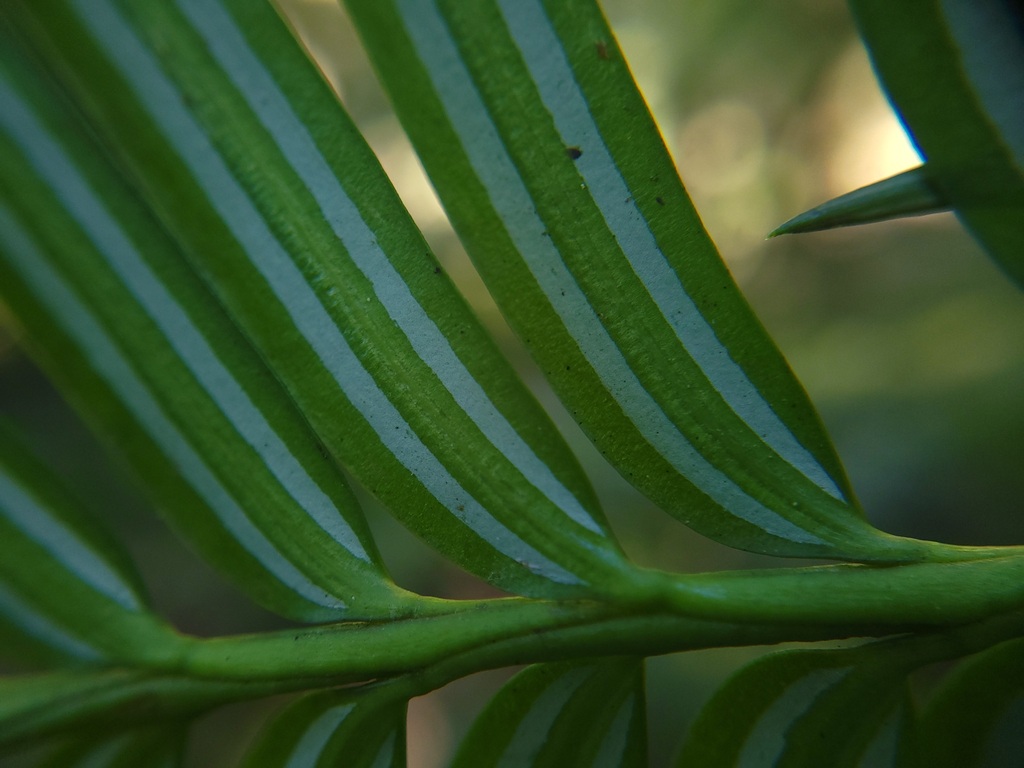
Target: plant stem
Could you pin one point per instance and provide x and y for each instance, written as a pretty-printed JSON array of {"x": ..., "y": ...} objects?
[{"x": 676, "y": 613}]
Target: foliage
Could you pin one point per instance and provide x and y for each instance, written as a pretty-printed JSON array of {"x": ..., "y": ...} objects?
[{"x": 208, "y": 260}]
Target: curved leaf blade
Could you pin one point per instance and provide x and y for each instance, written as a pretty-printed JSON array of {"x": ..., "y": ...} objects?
[
  {"x": 801, "y": 709},
  {"x": 144, "y": 349},
  {"x": 556, "y": 179},
  {"x": 334, "y": 728},
  {"x": 65, "y": 586},
  {"x": 974, "y": 719},
  {"x": 107, "y": 701},
  {"x": 963, "y": 58},
  {"x": 279, "y": 203},
  {"x": 581, "y": 714},
  {"x": 162, "y": 747}
]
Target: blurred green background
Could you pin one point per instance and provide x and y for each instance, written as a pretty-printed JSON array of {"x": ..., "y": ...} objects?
[{"x": 904, "y": 333}]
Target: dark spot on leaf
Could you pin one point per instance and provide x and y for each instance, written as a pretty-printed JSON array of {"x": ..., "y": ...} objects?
[
  {"x": 602, "y": 50},
  {"x": 574, "y": 152},
  {"x": 437, "y": 270},
  {"x": 659, "y": 201}
]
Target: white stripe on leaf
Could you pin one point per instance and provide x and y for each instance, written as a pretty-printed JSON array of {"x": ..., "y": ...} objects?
[
  {"x": 512, "y": 202},
  {"x": 385, "y": 756},
  {"x": 274, "y": 112},
  {"x": 304, "y": 309},
  {"x": 22, "y": 509},
  {"x": 54, "y": 166},
  {"x": 766, "y": 739},
  {"x": 41, "y": 628},
  {"x": 552, "y": 74},
  {"x": 311, "y": 745},
  {"x": 536, "y": 722},
  {"x": 612, "y": 752},
  {"x": 78, "y": 322}
]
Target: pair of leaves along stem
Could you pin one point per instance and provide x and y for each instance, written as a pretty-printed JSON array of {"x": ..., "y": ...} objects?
[
  {"x": 271, "y": 238},
  {"x": 210, "y": 262}
]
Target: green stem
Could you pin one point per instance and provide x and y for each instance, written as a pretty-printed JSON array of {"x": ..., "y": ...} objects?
[
  {"x": 907, "y": 596},
  {"x": 673, "y": 613},
  {"x": 948, "y": 609}
]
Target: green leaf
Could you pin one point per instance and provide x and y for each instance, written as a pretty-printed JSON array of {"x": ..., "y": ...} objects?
[
  {"x": 334, "y": 728},
  {"x": 162, "y": 747},
  {"x": 106, "y": 702},
  {"x": 975, "y": 718},
  {"x": 65, "y": 587},
  {"x": 962, "y": 58},
  {"x": 579, "y": 714},
  {"x": 805, "y": 709},
  {"x": 555, "y": 177},
  {"x": 144, "y": 350},
  {"x": 910, "y": 193},
  {"x": 241, "y": 148}
]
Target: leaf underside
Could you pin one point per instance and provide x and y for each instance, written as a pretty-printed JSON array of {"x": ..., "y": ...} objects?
[
  {"x": 580, "y": 714},
  {"x": 555, "y": 177},
  {"x": 273, "y": 201},
  {"x": 801, "y": 709},
  {"x": 333, "y": 728}
]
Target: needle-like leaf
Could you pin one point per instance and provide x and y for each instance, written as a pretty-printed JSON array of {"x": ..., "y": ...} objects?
[{"x": 910, "y": 193}]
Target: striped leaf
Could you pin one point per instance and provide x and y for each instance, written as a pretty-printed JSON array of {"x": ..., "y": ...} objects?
[
  {"x": 962, "y": 58},
  {"x": 155, "y": 748},
  {"x": 66, "y": 589},
  {"x": 555, "y": 177},
  {"x": 142, "y": 347},
  {"x": 108, "y": 701},
  {"x": 241, "y": 148},
  {"x": 976, "y": 717},
  {"x": 806, "y": 709},
  {"x": 334, "y": 728},
  {"x": 579, "y": 714}
]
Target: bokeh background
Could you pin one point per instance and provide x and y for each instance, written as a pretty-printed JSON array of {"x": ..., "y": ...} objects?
[{"x": 904, "y": 333}]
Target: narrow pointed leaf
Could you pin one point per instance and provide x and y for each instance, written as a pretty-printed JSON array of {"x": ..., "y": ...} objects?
[
  {"x": 976, "y": 717},
  {"x": 243, "y": 150},
  {"x": 910, "y": 193},
  {"x": 803, "y": 709},
  {"x": 555, "y": 177},
  {"x": 154, "y": 748},
  {"x": 143, "y": 349},
  {"x": 962, "y": 58},
  {"x": 107, "y": 701},
  {"x": 335, "y": 728},
  {"x": 65, "y": 586},
  {"x": 580, "y": 714}
]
